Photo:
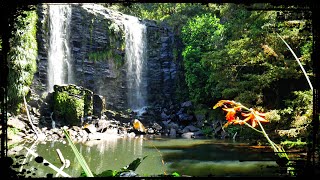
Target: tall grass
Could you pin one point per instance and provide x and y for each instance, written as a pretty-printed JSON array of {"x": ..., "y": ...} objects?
[{"x": 79, "y": 156}]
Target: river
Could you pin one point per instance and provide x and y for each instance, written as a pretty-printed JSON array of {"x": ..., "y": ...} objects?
[{"x": 194, "y": 157}]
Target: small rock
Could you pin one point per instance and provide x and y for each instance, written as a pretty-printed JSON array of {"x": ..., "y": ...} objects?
[
  {"x": 186, "y": 104},
  {"x": 173, "y": 125},
  {"x": 128, "y": 174},
  {"x": 72, "y": 133},
  {"x": 166, "y": 123},
  {"x": 14, "y": 122},
  {"x": 188, "y": 135},
  {"x": 200, "y": 117},
  {"x": 217, "y": 129},
  {"x": 156, "y": 126},
  {"x": 190, "y": 128},
  {"x": 90, "y": 128},
  {"x": 198, "y": 133},
  {"x": 164, "y": 116},
  {"x": 44, "y": 129},
  {"x": 184, "y": 117},
  {"x": 172, "y": 132},
  {"x": 150, "y": 131},
  {"x": 55, "y": 136},
  {"x": 132, "y": 134},
  {"x": 112, "y": 131},
  {"x": 103, "y": 124}
]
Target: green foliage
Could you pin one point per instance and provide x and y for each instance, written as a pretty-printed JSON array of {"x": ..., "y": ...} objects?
[
  {"x": 11, "y": 131},
  {"x": 68, "y": 107},
  {"x": 110, "y": 54},
  {"x": 294, "y": 144},
  {"x": 207, "y": 131},
  {"x": 71, "y": 103},
  {"x": 114, "y": 49},
  {"x": 98, "y": 56},
  {"x": 79, "y": 156},
  {"x": 201, "y": 34},
  {"x": 273, "y": 116},
  {"x": 175, "y": 174},
  {"x": 233, "y": 129},
  {"x": 131, "y": 167},
  {"x": 240, "y": 57},
  {"x": 22, "y": 58},
  {"x": 299, "y": 109},
  {"x": 88, "y": 102}
]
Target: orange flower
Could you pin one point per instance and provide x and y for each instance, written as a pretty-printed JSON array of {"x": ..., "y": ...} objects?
[
  {"x": 254, "y": 117},
  {"x": 222, "y": 102},
  {"x": 231, "y": 115}
]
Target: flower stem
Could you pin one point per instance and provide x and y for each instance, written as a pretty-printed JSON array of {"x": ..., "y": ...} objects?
[
  {"x": 252, "y": 127},
  {"x": 267, "y": 137},
  {"x": 297, "y": 59}
]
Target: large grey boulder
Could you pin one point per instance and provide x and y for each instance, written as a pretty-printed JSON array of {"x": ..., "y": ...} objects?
[{"x": 99, "y": 105}]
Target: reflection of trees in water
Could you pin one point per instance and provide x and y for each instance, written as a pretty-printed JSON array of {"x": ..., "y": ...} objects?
[
  {"x": 108, "y": 145},
  {"x": 137, "y": 145}
]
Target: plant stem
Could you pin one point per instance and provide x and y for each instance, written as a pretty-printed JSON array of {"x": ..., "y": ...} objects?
[
  {"x": 32, "y": 126},
  {"x": 79, "y": 156},
  {"x": 252, "y": 127},
  {"x": 295, "y": 56},
  {"x": 267, "y": 137}
]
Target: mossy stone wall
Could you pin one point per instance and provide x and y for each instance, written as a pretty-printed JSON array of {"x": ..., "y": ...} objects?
[{"x": 71, "y": 103}]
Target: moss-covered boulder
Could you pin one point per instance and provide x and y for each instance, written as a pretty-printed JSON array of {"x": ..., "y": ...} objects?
[{"x": 71, "y": 103}]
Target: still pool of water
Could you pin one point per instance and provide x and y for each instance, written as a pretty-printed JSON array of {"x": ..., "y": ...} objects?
[{"x": 194, "y": 157}]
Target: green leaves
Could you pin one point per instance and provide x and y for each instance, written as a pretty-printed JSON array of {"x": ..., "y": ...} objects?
[
  {"x": 203, "y": 32},
  {"x": 108, "y": 173},
  {"x": 227, "y": 58},
  {"x": 78, "y": 155},
  {"x": 131, "y": 167},
  {"x": 175, "y": 174},
  {"x": 22, "y": 58}
]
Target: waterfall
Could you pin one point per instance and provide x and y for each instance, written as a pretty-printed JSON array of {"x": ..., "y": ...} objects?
[
  {"x": 135, "y": 39},
  {"x": 59, "y": 56}
]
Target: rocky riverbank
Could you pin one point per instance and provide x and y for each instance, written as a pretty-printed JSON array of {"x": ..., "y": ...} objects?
[
  {"x": 173, "y": 122},
  {"x": 84, "y": 115}
]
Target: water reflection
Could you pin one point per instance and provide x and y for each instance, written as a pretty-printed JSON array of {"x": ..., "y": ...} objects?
[{"x": 193, "y": 157}]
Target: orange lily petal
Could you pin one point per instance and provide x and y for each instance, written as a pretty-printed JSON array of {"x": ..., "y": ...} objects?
[
  {"x": 254, "y": 123},
  {"x": 245, "y": 114},
  {"x": 221, "y": 102},
  {"x": 231, "y": 116},
  {"x": 226, "y": 124}
]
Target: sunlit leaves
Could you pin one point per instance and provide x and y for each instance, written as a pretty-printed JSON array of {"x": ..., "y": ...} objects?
[
  {"x": 201, "y": 34},
  {"x": 203, "y": 31},
  {"x": 22, "y": 57}
]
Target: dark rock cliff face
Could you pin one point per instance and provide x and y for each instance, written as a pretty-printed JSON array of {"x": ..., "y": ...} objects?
[
  {"x": 161, "y": 68},
  {"x": 97, "y": 44}
]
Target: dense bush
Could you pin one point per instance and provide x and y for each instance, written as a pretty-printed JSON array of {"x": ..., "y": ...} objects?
[
  {"x": 229, "y": 52},
  {"x": 241, "y": 57},
  {"x": 22, "y": 58}
]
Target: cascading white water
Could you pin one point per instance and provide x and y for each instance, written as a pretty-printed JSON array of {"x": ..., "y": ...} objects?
[
  {"x": 135, "y": 38},
  {"x": 59, "y": 56}
]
